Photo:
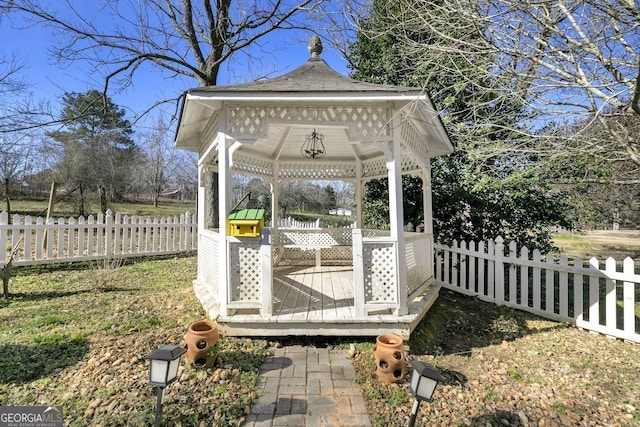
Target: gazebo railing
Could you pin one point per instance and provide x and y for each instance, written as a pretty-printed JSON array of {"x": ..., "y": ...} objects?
[{"x": 374, "y": 256}]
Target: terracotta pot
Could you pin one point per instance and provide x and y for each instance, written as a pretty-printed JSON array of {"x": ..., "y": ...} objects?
[
  {"x": 200, "y": 337},
  {"x": 391, "y": 359}
]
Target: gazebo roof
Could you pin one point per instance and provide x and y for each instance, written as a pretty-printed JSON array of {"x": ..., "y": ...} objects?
[
  {"x": 314, "y": 76},
  {"x": 272, "y": 117}
]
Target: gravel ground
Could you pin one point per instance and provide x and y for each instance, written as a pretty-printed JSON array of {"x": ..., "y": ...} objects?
[
  {"x": 508, "y": 368},
  {"x": 84, "y": 348}
]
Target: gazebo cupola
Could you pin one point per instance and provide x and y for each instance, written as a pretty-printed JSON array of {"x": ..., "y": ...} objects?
[{"x": 266, "y": 129}]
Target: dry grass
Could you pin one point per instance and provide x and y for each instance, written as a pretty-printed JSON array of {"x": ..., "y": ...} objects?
[{"x": 600, "y": 244}]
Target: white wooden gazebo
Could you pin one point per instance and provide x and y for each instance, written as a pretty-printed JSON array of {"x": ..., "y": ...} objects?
[{"x": 351, "y": 281}]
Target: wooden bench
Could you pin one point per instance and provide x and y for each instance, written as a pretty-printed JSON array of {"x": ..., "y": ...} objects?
[{"x": 317, "y": 249}]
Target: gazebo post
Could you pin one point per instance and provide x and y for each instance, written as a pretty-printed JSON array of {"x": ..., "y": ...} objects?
[
  {"x": 275, "y": 195},
  {"x": 396, "y": 218},
  {"x": 224, "y": 184},
  {"x": 427, "y": 200},
  {"x": 359, "y": 194}
]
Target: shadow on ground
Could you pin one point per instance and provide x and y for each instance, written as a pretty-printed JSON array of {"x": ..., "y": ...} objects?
[
  {"x": 457, "y": 323},
  {"x": 21, "y": 363}
]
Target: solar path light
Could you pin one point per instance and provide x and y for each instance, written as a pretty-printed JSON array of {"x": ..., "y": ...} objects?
[
  {"x": 163, "y": 371},
  {"x": 424, "y": 380}
]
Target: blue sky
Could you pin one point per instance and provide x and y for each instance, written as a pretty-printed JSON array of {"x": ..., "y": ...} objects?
[{"x": 49, "y": 80}]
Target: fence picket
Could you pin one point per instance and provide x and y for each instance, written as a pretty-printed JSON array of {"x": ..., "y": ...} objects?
[
  {"x": 499, "y": 271},
  {"x": 471, "y": 263},
  {"x": 462, "y": 264},
  {"x": 82, "y": 231},
  {"x": 578, "y": 291},
  {"x": 537, "y": 281},
  {"x": 628, "y": 298},
  {"x": 15, "y": 233},
  {"x": 49, "y": 237},
  {"x": 39, "y": 237},
  {"x": 91, "y": 234},
  {"x": 512, "y": 266},
  {"x": 524, "y": 278},
  {"x": 594, "y": 294},
  {"x": 491, "y": 272},
  {"x": 610, "y": 296},
  {"x": 68, "y": 240},
  {"x": 549, "y": 285},
  {"x": 564, "y": 287},
  {"x": 4, "y": 220},
  {"x": 28, "y": 231}
]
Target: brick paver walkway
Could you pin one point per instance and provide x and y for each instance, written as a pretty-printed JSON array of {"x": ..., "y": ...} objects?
[{"x": 308, "y": 387}]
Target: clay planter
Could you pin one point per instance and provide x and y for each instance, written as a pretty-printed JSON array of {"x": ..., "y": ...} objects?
[
  {"x": 200, "y": 337},
  {"x": 391, "y": 359}
]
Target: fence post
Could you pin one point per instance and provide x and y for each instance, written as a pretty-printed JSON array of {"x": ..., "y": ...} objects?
[
  {"x": 498, "y": 271},
  {"x": 358, "y": 271}
]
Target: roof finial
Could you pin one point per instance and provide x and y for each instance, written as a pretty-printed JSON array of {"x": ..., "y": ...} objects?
[{"x": 315, "y": 46}]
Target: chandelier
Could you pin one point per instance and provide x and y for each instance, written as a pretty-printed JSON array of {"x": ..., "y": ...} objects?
[{"x": 313, "y": 148}]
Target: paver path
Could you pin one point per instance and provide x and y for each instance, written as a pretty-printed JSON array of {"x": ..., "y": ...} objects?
[{"x": 308, "y": 387}]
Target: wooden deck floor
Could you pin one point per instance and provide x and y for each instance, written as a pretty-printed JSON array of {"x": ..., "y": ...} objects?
[
  {"x": 313, "y": 294},
  {"x": 311, "y": 301}
]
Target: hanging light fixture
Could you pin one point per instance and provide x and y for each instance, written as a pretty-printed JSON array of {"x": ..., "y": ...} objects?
[{"x": 313, "y": 148}]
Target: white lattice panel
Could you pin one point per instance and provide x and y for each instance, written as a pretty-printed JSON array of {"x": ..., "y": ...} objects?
[
  {"x": 418, "y": 265},
  {"x": 245, "y": 272},
  {"x": 377, "y": 168},
  {"x": 363, "y": 122},
  {"x": 252, "y": 165},
  {"x": 317, "y": 170},
  {"x": 323, "y": 237},
  {"x": 299, "y": 255},
  {"x": 408, "y": 163},
  {"x": 379, "y": 273},
  {"x": 338, "y": 253},
  {"x": 210, "y": 130},
  {"x": 208, "y": 260},
  {"x": 412, "y": 139},
  {"x": 374, "y": 168}
]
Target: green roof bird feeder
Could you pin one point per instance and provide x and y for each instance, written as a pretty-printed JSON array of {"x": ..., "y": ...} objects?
[{"x": 245, "y": 222}]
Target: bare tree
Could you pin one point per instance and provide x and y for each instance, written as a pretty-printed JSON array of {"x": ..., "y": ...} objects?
[
  {"x": 191, "y": 38},
  {"x": 159, "y": 157},
  {"x": 565, "y": 61}
]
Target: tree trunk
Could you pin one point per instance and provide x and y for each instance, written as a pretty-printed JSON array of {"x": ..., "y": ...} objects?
[
  {"x": 7, "y": 198},
  {"x": 213, "y": 214},
  {"x": 81, "y": 200},
  {"x": 5, "y": 275},
  {"x": 103, "y": 199}
]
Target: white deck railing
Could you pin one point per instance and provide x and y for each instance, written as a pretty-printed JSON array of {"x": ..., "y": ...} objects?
[
  {"x": 101, "y": 237},
  {"x": 577, "y": 292}
]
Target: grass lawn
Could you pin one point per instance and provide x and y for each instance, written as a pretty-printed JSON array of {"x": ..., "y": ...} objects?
[
  {"x": 600, "y": 244},
  {"x": 61, "y": 209},
  {"x": 76, "y": 336}
]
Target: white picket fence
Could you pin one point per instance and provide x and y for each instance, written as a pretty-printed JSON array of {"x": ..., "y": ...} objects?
[
  {"x": 101, "y": 237},
  {"x": 290, "y": 222},
  {"x": 578, "y": 292}
]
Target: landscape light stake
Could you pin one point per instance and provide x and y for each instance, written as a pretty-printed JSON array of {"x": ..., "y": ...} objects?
[
  {"x": 424, "y": 380},
  {"x": 163, "y": 371}
]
